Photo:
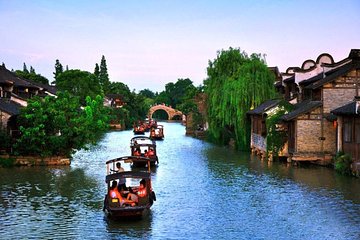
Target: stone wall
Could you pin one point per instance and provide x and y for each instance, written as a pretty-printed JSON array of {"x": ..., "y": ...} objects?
[
  {"x": 258, "y": 142},
  {"x": 38, "y": 161}
]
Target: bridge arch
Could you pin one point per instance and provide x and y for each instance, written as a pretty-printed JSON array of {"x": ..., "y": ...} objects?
[{"x": 169, "y": 110}]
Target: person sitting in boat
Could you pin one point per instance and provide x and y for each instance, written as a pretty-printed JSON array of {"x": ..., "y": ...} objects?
[
  {"x": 142, "y": 188},
  {"x": 132, "y": 196},
  {"x": 150, "y": 152},
  {"x": 119, "y": 168},
  {"x": 146, "y": 153},
  {"x": 137, "y": 152},
  {"x": 114, "y": 193}
]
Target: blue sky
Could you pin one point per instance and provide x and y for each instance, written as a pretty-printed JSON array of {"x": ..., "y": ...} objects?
[{"x": 150, "y": 43}]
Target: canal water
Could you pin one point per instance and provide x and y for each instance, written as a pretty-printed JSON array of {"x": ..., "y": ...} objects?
[{"x": 203, "y": 192}]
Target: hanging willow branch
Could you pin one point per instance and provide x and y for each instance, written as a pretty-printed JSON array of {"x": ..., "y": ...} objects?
[{"x": 235, "y": 84}]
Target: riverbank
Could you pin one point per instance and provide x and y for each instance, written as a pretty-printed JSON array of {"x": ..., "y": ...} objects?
[{"x": 7, "y": 161}]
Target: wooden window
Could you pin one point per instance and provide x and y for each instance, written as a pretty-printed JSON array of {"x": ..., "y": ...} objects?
[
  {"x": 347, "y": 132},
  {"x": 357, "y": 130},
  {"x": 254, "y": 125},
  {"x": 316, "y": 95},
  {"x": 263, "y": 128},
  {"x": 259, "y": 126}
]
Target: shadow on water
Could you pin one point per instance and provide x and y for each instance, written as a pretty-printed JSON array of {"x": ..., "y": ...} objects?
[
  {"x": 227, "y": 163},
  {"x": 130, "y": 229}
]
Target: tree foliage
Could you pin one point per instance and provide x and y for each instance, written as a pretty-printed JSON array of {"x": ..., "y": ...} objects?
[
  {"x": 103, "y": 75},
  {"x": 135, "y": 108},
  {"x": 97, "y": 70},
  {"x": 176, "y": 93},
  {"x": 57, "y": 126},
  {"x": 276, "y": 137},
  {"x": 32, "y": 75},
  {"x": 79, "y": 83},
  {"x": 147, "y": 93},
  {"x": 58, "y": 68},
  {"x": 121, "y": 89},
  {"x": 235, "y": 83},
  {"x": 342, "y": 163},
  {"x": 25, "y": 70}
]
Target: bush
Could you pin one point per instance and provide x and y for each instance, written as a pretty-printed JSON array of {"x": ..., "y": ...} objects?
[
  {"x": 58, "y": 126},
  {"x": 5, "y": 139},
  {"x": 7, "y": 162},
  {"x": 343, "y": 163}
]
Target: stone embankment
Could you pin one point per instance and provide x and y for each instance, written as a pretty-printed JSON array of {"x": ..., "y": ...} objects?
[{"x": 36, "y": 161}]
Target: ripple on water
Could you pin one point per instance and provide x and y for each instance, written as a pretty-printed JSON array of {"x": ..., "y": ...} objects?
[{"x": 203, "y": 192}]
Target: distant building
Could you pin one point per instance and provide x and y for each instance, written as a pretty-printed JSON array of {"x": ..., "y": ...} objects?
[
  {"x": 320, "y": 91},
  {"x": 14, "y": 94},
  {"x": 114, "y": 100}
]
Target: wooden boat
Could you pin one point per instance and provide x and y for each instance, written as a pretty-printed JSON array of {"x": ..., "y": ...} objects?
[
  {"x": 157, "y": 133},
  {"x": 142, "y": 146},
  {"x": 152, "y": 123},
  {"x": 139, "y": 128},
  {"x": 120, "y": 184}
]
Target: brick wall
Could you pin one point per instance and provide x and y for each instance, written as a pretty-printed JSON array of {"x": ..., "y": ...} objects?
[
  {"x": 4, "y": 119},
  {"x": 330, "y": 137},
  {"x": 308, "y": 133},
  {"x": 334, "y": 98}
]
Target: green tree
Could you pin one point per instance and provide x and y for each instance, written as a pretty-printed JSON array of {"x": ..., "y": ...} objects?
[
  {"x": 235, "y": 83},
  {"x": 103, "y": 75},
  {"x": 25, "y": 70},
  {"x": 147, "y": 93},
  {"x": 79, "y": 83},
  {"x": 149, "y": 98},
  {"x": 56, "y": 126},
  {"x": 58, "y": 68},
  {"x": 97, "y": 71},
  {"x": 32, "y": 70},
  {"x": 163, "y": 97},
  {"x": 32, "y": 76},
  {"x": 121, "y": 89},
  {"x": 176, "y": 93},
  {"x": 136, "y": 106}
]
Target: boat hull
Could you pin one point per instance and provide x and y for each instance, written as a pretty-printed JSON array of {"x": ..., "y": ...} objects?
[{"x": 126, "y": 213}]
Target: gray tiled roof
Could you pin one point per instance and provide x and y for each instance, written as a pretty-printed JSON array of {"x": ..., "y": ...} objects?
[
  {"x": 47, "y": 87},
  {"x": 347, "y": 109},
  {"x": 262, "y": 108},
  {"x": 9, "y": 107},
  {"x": 6, "y": 76},
  {"x": 301, "y": 108},
  {"x": 334, "y": 74}
]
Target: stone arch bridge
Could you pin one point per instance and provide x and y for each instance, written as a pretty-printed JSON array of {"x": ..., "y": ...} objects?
[{"x": 169, "y": 110}]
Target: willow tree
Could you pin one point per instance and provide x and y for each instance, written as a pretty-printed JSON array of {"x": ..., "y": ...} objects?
[{"x": 235, "y": 84}]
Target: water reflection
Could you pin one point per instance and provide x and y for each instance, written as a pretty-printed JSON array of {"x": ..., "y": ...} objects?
[
  {"x": 203, "y": 192},
  {"x": 130, "y": 229}
]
